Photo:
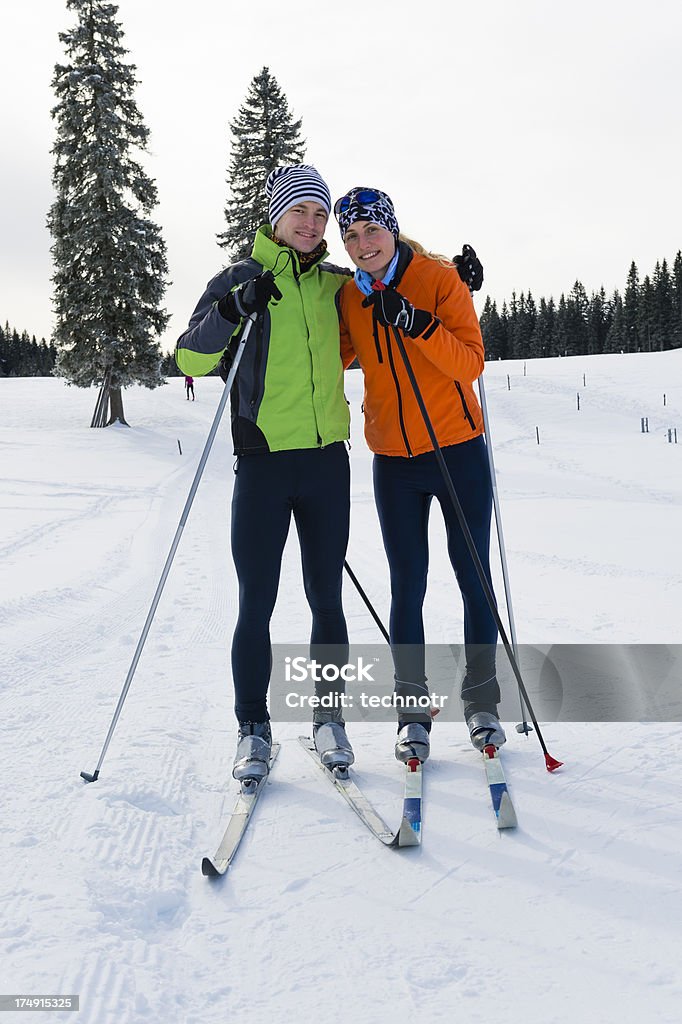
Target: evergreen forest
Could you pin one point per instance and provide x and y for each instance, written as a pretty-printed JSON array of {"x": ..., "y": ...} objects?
[
  {"x": 23, "y": 356},
  {"x": 645, "y": 316}
]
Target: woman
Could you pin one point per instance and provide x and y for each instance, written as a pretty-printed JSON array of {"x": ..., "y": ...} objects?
[
  {"x": 290, "y": 422},
  {"x": 397, "y": 288}
]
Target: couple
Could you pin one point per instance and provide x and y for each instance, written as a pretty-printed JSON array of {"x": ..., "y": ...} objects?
[{"x": 290, "y": 422}]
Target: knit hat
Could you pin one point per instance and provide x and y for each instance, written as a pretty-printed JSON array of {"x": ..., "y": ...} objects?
[
  {"x": 366, "y": 204},
  {"x": 288, "y": 186}
]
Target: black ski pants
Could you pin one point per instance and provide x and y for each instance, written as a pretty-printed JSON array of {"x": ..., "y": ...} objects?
[
  {"x": 404, "y": 489},
  {"x": 313, "y": 485}
]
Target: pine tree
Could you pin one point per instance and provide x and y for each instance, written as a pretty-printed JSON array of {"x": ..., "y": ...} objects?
[
  {"x": 169, "y": 367},
  {"x": 645, "y": 313},
  {"x": 577, "y": 306},
  {"x": 541, "y": 339},
  {"x": 264, "y": 136},
  {"x": 630, "y": 310},
  {"x": 510, "y": 316},
  {"x": 110, "y": 259},
  {"x": 525, "y": 315},
  {"x": 676, "y": 339},
  {"x": 4, "y": 352},
  {"x": 492, "y": 331},
  {"x": 560, "y": 336},
  {"x": 663, "y": 326},
  {"x": 615, "y": 339},
  {"x": 599, "y": 317},
  {"x": 505, "y": 331}
]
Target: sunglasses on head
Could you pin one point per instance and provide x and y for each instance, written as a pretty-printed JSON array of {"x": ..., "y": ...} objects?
[{"x": 363, "y": 196}]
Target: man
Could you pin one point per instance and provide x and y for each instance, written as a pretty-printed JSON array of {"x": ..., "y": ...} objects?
[{"x": 290, "y": 422}]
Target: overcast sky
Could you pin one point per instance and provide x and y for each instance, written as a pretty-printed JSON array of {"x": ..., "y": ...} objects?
[{"x": 547, "y": 136}]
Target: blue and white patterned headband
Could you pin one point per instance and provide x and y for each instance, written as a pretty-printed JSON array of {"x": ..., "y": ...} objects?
[{"x": 366, "y": 204}]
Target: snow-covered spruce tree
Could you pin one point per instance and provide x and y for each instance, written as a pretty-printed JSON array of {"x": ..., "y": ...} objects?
[
  {"x": 109, "y": 257},
  {"x": 264, "y": 136}
]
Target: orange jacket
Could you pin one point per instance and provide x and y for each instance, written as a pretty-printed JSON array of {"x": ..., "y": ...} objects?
[{"x": 446, "y": 360}]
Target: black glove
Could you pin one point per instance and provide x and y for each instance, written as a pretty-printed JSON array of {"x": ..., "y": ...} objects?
[
  {"x": 251, "y": 297},
  {"x": 470, "y": 268},
  {"x": 225, "y": 365},
  {"x": 393, "y": 310}
]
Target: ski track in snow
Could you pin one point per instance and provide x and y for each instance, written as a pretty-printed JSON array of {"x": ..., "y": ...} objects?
[{"x": 575, "y": 916}]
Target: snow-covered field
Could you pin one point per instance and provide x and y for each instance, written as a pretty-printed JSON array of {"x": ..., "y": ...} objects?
[{"x": 573, "y": 917}]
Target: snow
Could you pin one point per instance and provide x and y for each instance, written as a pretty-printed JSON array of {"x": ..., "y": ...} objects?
[{"x": 575, "y": 916}]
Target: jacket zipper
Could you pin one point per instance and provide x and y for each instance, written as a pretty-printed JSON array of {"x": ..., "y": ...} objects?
[
  {"x": 398, "y": 393},
  {"x": 297, "y": 278},
  {"x": 467, "y": 414},
  {"x": 256, "y": 366},
  {"x": 376, "y": 340}
]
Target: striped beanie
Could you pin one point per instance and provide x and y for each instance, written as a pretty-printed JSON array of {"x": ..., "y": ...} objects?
[{"x": 288, "y": 186}]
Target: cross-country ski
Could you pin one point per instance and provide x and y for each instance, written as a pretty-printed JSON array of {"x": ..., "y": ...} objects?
[
  {"x": 237, "y": 823},
  {"x": 499, "y": 794},
  {"x": 343, "y": 782}
]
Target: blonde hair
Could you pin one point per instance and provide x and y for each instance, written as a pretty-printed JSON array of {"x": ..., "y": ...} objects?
[{"x": 421, "y": 251}]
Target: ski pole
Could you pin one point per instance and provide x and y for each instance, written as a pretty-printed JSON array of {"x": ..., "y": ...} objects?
[
  {"x": 550, "y": 762},
  {"x": 524, "y": 727},
  {"x": 367, "y": 601},
  {"x": 92, "y": 777}
]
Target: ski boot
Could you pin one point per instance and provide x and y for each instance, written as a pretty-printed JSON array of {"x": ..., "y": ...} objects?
[
  {"x": 251, "y": 762},
  {"x": 331, "y": 742},
  {"x": 413, "y": 742},
  {"x": 485, "y": 729}
]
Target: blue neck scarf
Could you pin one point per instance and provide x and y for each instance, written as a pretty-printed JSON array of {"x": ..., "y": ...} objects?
[{"x": 364, "y": 281}]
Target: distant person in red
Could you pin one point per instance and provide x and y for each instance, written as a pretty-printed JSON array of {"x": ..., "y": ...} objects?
[{"x": 189, "y": 386}]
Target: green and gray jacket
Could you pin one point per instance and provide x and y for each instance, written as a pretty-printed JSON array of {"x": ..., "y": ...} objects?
[{"x": 289, "y": 387}]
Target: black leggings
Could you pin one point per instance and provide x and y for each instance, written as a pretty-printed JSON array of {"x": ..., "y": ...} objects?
[
  {"x": 314, "y": 485},
  {"x": 404, "y": 489}
]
